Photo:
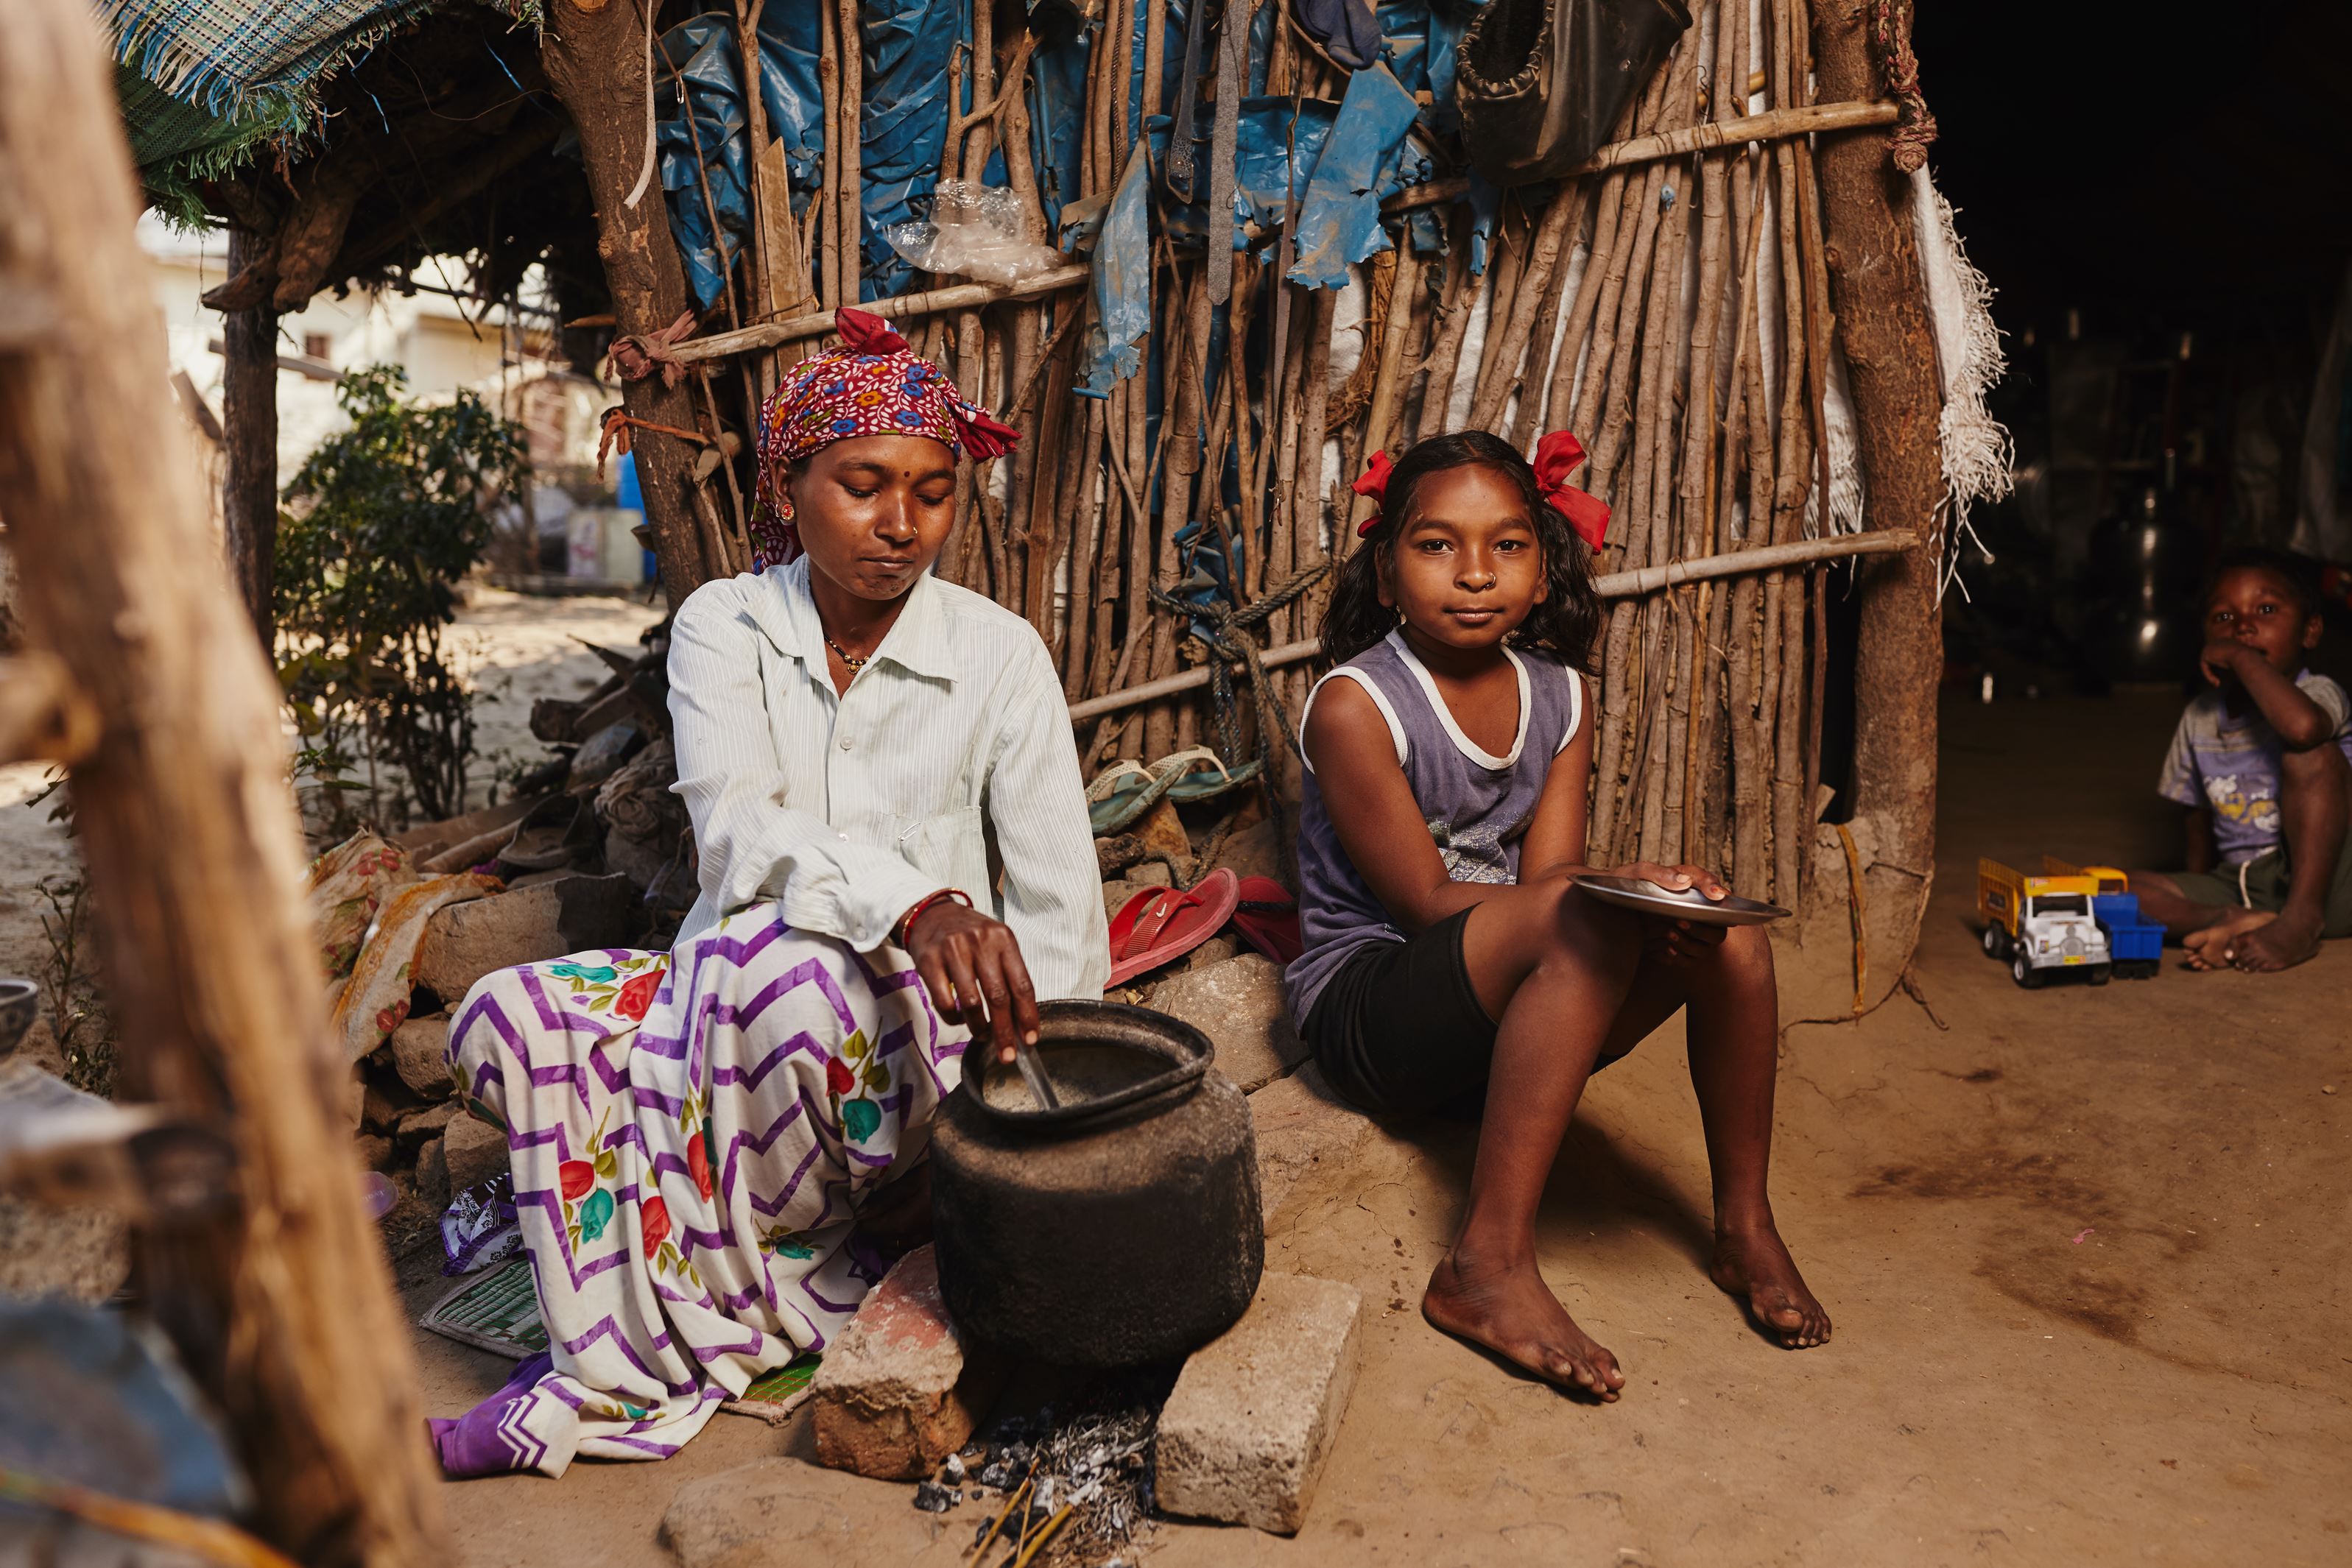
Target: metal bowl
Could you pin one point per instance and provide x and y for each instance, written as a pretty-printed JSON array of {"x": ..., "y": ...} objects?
[
  {"x": 1690, "y": 903},
  {"x": 20, "y": 1004}
]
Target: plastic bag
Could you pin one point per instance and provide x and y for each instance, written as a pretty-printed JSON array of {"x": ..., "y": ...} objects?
[
  {"x": 973, "y": 231},
  {"x": 1542, "y": 82},
  {"x": 479, "y": 1228}
]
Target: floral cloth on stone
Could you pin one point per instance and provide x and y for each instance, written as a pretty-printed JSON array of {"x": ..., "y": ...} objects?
[
  {"x": 873, "y": 384},
  {"x": 688, "y": 1132}
]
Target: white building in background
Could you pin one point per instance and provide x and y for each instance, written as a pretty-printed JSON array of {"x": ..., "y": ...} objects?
[{"x": 443, "y": 343}]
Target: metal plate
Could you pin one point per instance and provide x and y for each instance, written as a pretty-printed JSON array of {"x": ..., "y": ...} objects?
[{"x": 1640, "y": 893}]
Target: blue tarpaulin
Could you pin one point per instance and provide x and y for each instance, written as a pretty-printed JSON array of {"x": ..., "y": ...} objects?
[
  {"x": 1057, "y": 125},
  {"x": 1122, "y": 279},
  {"x": 905, "y": 122},
  {"x": 1339, "y": 220},
  {"x": 1281, "y": 155},
  {"x": 703, "y": 56}
]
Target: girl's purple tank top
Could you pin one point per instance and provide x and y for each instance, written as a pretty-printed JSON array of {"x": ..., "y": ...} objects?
[{"x": 1476, "y": 805}]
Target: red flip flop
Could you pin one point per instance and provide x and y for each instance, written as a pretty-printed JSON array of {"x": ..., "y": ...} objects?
[
  {"x": 1267, "y": 918},
  {"x": 1160, "y": 924}
]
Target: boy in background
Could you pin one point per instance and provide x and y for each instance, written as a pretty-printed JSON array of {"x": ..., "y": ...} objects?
[{"x": 2260, "y": 761}]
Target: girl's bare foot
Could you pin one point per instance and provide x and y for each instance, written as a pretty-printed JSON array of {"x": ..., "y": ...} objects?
[
  {"x": 1511, "y": 1311},
  {"x": 2212, "y": 949},
  {"x": 1753, "y": 1264}
]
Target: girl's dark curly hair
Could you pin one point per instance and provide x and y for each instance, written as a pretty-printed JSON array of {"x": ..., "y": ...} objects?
[{"x": 1563, "y": 625}]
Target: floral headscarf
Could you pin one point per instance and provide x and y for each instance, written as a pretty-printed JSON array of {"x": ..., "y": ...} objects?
[{"x": 873, "y": 384}]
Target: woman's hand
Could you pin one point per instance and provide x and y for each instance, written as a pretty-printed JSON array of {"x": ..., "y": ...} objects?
[
  {"x": 1678, "y": 941},
  {"x": 973, "y": 968}
]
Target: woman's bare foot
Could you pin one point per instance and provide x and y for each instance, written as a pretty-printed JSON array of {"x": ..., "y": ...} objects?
[
  {"x": 1511, "y": 1311},
  {"x": 2212, "y": 949},
  {"x": 1754, "y": 1265}
]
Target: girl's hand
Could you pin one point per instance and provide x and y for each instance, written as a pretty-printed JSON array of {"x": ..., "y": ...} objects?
[
  {"x": 972, "y": 967},
  {"x": 1679, "y": 941},
  {"x": 1676, "y": 878}
]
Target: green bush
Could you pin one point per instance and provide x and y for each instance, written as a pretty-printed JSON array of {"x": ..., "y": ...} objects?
[{"x": 381, "y": 523}]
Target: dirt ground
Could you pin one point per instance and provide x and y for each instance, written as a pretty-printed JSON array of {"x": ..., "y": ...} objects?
[{"x": 2085, "y": 1249}]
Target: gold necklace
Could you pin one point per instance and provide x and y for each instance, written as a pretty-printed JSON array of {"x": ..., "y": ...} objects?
[{"x": 843, "y": 654}]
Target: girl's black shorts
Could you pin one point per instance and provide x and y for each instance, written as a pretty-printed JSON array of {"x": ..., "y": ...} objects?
[{"x": 1400, "y": 1027}]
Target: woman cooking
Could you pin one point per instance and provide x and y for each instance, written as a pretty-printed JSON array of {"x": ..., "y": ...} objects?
[{"x": 696, "y": 1134}]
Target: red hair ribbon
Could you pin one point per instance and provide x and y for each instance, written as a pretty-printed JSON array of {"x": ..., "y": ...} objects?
[
  {"x": 1375, "y": 484},
  {"x": 1558, "y": 456}
]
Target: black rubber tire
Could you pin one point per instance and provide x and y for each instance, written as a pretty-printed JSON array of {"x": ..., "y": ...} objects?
[
  {"x": 2102, "y": 973},
  {"x": 1992, "y": 941},
  {"x": 2023, "y": 973}
]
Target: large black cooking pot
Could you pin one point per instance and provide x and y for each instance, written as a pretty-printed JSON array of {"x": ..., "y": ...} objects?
[{"x": 1121, "y": 1227}]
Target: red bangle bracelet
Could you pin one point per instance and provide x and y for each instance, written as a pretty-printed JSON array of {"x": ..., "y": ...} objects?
[{"x": 905, "y": 926}]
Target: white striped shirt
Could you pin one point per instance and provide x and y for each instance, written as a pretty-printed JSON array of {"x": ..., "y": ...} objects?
[{"x": 850, "y": 807}]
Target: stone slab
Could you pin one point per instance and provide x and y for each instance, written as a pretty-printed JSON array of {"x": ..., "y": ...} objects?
[
  {"x": 1240, "y": 1006},
  {"x": 1254, "y": 1415},
  {"x": 473, "y": 1152},
  {"x": 784, "y": 1513},
  {"x": 466, "y": 941},
  {"x": 898, "y": 1392},
  {"x": 420, "y": 1055}
]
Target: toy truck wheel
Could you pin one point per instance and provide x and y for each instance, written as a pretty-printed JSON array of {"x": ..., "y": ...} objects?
[
  {"x": 2102, "y": 973},
  {"x": 1992, "y": 941},
  {"x": 2023, "y": 973}
]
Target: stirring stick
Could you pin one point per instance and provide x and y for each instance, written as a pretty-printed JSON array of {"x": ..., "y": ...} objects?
[{"x": 1033, "y": 1073}]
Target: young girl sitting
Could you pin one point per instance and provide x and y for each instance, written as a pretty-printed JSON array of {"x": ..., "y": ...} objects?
[{"x": 1447, "y": 947}]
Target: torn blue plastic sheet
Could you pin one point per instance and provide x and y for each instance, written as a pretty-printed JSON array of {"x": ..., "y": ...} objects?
[
  {"x": 1339, "y": 220},
  {"x": 903, "y": 126},
  {"x": 1172, "y": 55},
  {"x": 1448, "y": 20},
  {"x": 1486, "y": 206},
  {"x": 1057, "y": 96},
  {"x": 1263, "y": 157},
  {"x": 792, "y": 41},
  {"x": 1123, "y": 278},
  {"x": 703, "y": 56},
  {"x": 1404, "y": 43}
]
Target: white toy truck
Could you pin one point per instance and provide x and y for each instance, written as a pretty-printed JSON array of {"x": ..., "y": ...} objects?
[{"x": 2038, "y": 924}]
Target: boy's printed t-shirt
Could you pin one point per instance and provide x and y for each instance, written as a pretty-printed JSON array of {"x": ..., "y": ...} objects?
[{"x": 2230, "y": 764}]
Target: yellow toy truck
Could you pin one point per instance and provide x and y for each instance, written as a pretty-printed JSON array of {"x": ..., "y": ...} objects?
[{"x": 2040, "y": 923}]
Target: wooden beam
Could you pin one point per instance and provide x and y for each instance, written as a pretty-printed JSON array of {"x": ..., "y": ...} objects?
[
  {"x": 249, "y": 439},
  {"x": 1879, "y": 294},
  {"x": 595, "y": 57},
  {"x": 1610, "y": 585},
  {"x": 1771, "y": 126},
  {"x": 282, "y": 1312},
  {"x": 904, "y": 307}
]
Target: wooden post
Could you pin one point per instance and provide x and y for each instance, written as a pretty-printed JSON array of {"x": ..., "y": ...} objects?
[
  {"x": 249, "y": 439},
  {"x": 596, "y": 59},
  {"x": 1881, "y": 303},
  {"x": 283, "y": 1312}
]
